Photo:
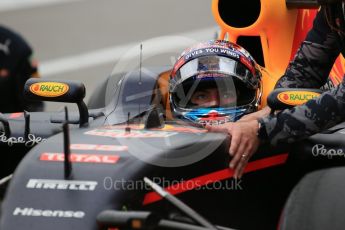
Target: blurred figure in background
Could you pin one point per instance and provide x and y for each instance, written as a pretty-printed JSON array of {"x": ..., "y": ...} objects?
[{"x": 16, "y": 66}]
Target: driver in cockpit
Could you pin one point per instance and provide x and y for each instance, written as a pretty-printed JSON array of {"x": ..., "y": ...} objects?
[{"x": 214, "y": 82}]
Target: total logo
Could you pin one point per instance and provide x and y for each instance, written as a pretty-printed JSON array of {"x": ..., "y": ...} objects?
[
  {"x": 49, "y": 89},
  {"x": 81, "y": 158},
  {"x": 296, "y": 97},
  {"x": 61, "y": 185},
  {"x": 48, "y": 213}
]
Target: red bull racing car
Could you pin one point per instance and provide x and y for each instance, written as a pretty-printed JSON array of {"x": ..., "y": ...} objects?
[{"x": 124, "y": 162}]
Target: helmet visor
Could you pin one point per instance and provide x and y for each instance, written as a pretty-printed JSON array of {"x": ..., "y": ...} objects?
[
  {"x": 216, "y": 90},
  {"x": 204, "y": 66}
]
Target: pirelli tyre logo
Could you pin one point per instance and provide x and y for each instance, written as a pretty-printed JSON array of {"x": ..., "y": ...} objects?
[
  {"x": 296, "y": 97},
  {"x": 61, "y": 185},
  {"x": 49, "y": 89},
  {"x": 81, "y": 158},
  {"x": 48, "y": 213}
]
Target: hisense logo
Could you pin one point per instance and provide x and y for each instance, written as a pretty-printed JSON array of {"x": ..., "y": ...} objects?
[{"x": 48, "y": 213}]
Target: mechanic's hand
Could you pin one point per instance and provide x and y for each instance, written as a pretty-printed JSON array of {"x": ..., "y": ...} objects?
[
  {"x": 244, "y": 142},
  {"x": 259, "y": 114}
]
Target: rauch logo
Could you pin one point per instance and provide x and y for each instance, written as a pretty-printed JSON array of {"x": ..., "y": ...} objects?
[
  {"x": 296, "y": 97},
  {"x": 49, "y": 89}
]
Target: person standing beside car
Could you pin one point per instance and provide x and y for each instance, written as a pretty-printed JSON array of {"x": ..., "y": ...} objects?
[
  {"x": 309, "y": 69},
  {"x": 16, "y": 66}
]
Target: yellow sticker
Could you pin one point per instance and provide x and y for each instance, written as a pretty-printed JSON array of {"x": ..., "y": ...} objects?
[
  {"x": 296, "y": 97},
  {"x": 49, "y": 89}
]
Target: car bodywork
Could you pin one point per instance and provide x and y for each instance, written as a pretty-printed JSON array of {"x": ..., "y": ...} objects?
[{"x": 117, "y": 145}]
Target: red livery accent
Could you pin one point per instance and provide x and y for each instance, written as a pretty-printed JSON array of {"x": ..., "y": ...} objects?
[
  {"x": 81, "y": 158},
  {"x": 15, "y": 115},
  {"x": 215, "y": 176}
]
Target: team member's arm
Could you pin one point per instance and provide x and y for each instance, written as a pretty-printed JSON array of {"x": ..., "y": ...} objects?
[
  {"x": 303, "y": 121},
  {"x": 315, "y": 57}
]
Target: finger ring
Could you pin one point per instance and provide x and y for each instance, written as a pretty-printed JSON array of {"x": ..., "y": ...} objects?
[{"x": 244, "y": 156}]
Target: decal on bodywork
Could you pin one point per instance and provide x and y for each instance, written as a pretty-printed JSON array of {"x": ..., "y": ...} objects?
[
  {"x": 223, "y": 174},
  {"x": 167, "y": 127},
  {"x": 74, "y": 185},
  {"x": 15, "y": 115},
  {"x": 98, "y": 147},
  {"x": 120, "y": 133},
  {"x": 49, "y": 89},
  {"x": 183, "y": 129},
  {"x": 29, "y": 142},
  {"x": 81, "y": 158},
  {"x": 33, "y": 212}
]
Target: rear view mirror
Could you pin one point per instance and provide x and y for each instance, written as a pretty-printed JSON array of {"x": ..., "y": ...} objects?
[
  {"x": 54, "y": 90},
  {"x": 284, "y": 98},
  {"x": 36, "y": 89}
]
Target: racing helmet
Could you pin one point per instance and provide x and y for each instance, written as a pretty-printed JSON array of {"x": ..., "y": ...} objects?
[{"x": 214, "y": 82}]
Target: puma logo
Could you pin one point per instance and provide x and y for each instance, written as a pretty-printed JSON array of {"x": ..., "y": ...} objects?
[{"x": 5, "y": 46}]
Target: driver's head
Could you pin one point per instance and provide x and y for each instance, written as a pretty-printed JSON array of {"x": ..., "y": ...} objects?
[
  {"x": 214, "y": 82},
  {"x": 210, "y": 97},
  {"x": 207, "y": 93}
]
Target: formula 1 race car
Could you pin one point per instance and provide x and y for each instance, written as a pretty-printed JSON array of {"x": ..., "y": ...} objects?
[{"x": 96, "y": 168}]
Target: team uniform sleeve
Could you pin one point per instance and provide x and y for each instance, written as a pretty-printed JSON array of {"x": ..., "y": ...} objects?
[
  {"x": 310, "y": 69},
  {"x": 314, "y": 59},
  {"x": 303, "y": 121}
]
